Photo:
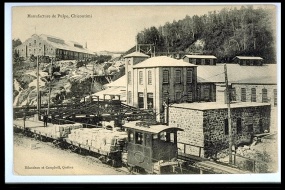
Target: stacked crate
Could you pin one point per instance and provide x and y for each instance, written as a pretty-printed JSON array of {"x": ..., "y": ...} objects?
[{"x": 64, "y": 130}]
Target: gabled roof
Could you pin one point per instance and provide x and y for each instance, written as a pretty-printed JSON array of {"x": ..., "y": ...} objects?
[
  {"x": 266, "y": 74},
  {"x": 163, "y": 61},
  {"x": 136, "y": 54},
  {"x": 65, "y": 45},
  {"x": 248, "y": 57},
  {"x": 201, "y": 56}
]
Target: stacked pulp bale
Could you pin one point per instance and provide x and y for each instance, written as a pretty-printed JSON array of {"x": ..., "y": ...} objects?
[
  {"x": 64, "y": 130},
  {"x": 98, "y": 138}
]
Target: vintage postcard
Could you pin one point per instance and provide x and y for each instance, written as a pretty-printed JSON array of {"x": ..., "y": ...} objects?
[{"x": 111, "y": 92}]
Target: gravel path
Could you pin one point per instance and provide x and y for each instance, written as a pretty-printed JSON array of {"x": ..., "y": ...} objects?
[{"x": 33, "y": 157}]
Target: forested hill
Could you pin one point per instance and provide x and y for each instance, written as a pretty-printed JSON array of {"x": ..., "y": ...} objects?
[{"x": 225, "y": 34}]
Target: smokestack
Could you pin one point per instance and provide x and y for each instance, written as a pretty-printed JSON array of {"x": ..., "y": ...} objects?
[{"x": 86, "y": 45}]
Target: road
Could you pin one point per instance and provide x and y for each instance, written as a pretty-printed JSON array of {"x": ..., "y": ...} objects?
[{"x": 33, "y": 157}]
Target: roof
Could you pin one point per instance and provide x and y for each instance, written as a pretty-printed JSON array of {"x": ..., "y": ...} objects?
[
  {"x": 201, "y": 56},
  {"x": 216, "y": 105},
  {"x": 136, "y": 54},
  {"x": 248, "y": 57},
  {"x": 62, "y": 44},
  {"x": 154, "y": 129},
  {"x": 265, "y": 74},
  {"x": 122, "y": 81},
  {"x": 163, "y": 61},
  {"x": 117, "y": 90}
]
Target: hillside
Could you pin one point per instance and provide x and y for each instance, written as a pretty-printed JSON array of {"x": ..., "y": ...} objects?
[
  {"x": 225, "y": 34},
  {"x": 71, "y": 80}
]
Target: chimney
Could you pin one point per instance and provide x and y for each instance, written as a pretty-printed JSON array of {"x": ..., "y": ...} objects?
[
  {"x": 86, "y": 45},
  {"x": 221, "y": 94}
]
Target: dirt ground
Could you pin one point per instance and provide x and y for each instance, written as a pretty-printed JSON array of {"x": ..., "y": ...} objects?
[{"x": 33, "y": 157}]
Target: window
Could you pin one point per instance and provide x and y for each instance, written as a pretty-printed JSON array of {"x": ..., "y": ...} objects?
[
  {"x": 226, "y": 127},
  {"x": 178, "y": 96},
  {"x": 233, "y": 94},
  {"x": 30, "y": 44},
  {"x": 250, "y": 128},
  {"x": 190, "y": 96},
  {"x": 239, "y": 129},
  {"x": 35, "y": 41},
  {"x": 165, "y": 76},
  {"x": 140, "y": 100},
  {"x": 149, "y": 77},
  {"x": 149, "y": 100},
  {"x": 129, "y": 97},
  {"x": 178, "y": 76},
  {"x": 165, "y": 95},
  {"x": 131, "y": 136},
  {"x": 264, "y": 95},
  {"x": 139, "y": 138},
  {"x": 40, "y": 50},
  {"x": 202, "y": 61},
  {"x": 129, "y": 77},
  {"x": 194, "y": 61},
  {"x": 243, "y": 95},
  {"x": 40, "y": 44},
  {"x": 253, "y": 95},
  {"x": 189, "y": 76},
  {"x": 140, "y": 77},
  {"x": 275, "y": 97}
]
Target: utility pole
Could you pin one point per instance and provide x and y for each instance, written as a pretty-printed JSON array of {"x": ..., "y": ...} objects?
[
  {"x": 38, "y": 95},
  {"x": 229, "y": 115},
  {"x": 50, "y": 78},
  {"x": 92, "y": 76}
]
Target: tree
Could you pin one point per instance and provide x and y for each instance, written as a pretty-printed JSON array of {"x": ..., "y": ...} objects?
[{"x": 16, "y": 42}]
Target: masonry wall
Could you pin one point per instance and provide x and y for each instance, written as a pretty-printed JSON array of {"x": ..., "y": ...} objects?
[
  {"x": 270, "y": 92},
  {"x": 191, "y": 121},
  {"x": 215, "y": 137}
]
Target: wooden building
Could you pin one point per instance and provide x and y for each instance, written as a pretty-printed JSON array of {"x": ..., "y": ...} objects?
[
  {"x": 45, "y": 45},
  {"x": 200, "y": 59},
  {"x": 248, "y": 60},
  {"x": 157, "y": 80}
]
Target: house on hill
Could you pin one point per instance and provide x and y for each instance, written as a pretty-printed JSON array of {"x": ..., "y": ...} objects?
[
  {"x": 248, "y": 60},
  {"x": 200, "y": 59}
]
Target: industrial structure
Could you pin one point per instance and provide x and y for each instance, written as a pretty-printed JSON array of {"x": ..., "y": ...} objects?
[{"x": 46, "y": 45}]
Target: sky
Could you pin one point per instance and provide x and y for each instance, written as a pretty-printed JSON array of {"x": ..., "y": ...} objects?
[{"x": 108, "y": 27}]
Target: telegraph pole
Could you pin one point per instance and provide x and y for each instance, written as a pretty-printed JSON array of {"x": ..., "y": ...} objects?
[
  {"x": 50, "y": 78},
  {"x": 38, "y": 95},
  {"x": 229, "y": 115}
]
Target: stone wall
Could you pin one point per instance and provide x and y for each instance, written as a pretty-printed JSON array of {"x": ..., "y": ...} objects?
[
  {"x": 215, "y": 137},
  {"x": 191, "y": 121},
  {"x": 206, "y": 128}
]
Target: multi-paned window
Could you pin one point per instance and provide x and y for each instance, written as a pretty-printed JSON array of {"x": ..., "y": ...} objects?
[
  {"x": 253, "y": 95},
  {"x": 264, "y": 95},
  {"x": 178, "y": 96},
  {"x": 140, "y": 77},
  {"x": 165, "y": 76},
  {"x": 189, "y": 76},
  {"x": 149, "y": 77},
  {"x": 190, "y": 96},
  {"x": 243, "y": 95},
  {"x": 178, "y": 76}
]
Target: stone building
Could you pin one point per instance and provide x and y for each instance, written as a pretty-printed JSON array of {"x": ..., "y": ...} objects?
[
  {"x": 206, "y": 125},
  {"x": 45, "y": 45},
  {"x": 200, "y": 59},
  {"x": 248, "y": 60},
  {"x": 157, "y": 80}
]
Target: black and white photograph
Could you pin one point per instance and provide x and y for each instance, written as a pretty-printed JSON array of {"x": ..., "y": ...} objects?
[{"x": 119, "y": 92}]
